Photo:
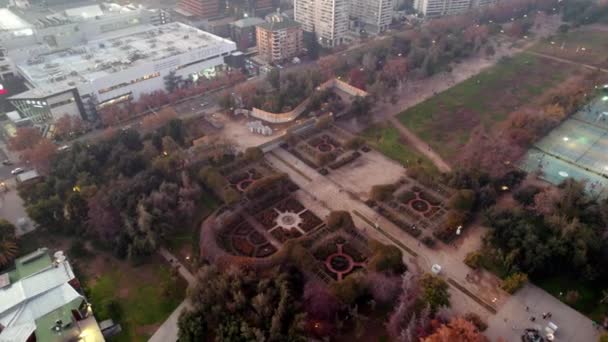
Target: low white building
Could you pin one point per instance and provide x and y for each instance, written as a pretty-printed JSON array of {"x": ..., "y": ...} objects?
[{"x": 121, "y": 66}]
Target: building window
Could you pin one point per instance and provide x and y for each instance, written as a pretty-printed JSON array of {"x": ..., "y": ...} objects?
[{"x": 126, "y": 84}]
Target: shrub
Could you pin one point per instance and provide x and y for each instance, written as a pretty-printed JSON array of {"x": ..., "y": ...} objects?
[
  {"x": 525, "y": 196},
  {"x": 473, "y": 259},
  {"x": 514, "y": 282},
  {"x": 345, "y": 160},
  {"x": 253, "y": 154},
  {"x": 339, "y": 219},
  {"x": 354, "y": 143},
  {"x": 324, "y": 122},
  {"x": 604, "y": 337},
  {"x": 78, "y": 249},
  {"x": 383, "y": 192},
  {"x": 265, "y": 185},
  {"x": 428, "y": 241},
  {"x": 385, "y": 258},
  {"x": 476, "y": 320},
  {"x": 350, "y": 289},
  {"x": 572, "y": 297},
  {"x": 462, "y": 200}
]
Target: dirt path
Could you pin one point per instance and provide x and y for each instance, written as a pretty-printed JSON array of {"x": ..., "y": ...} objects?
[
  {"x": 421, "y": 146},
  {"x": 566, "y": 61}
]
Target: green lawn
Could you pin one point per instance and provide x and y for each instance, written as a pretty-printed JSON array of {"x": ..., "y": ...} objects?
[
  {"x": 570, "y": 46},
  {"x": 142, "y": 303},
  {"x": 589, "y": 294},
  {"x": 387, "y": 140},
  {"x": 446, "y": 120}
]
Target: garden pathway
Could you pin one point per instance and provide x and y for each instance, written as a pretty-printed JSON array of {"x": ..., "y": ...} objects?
[{"x": 167, "y": 332}]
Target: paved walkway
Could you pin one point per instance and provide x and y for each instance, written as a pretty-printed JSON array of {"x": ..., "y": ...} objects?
[
  {"x": 567, "y": 61},
  {"x": 167, "y": 332}
]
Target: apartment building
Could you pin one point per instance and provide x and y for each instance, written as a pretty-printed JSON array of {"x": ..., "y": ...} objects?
[
  {"x": 374, "y": 16},
  {"x": 279, "y": 39},
  {"x": 328, "y": 19},
  {"x": 437, "y": 8},
  {"x": 203, "y": 9}
]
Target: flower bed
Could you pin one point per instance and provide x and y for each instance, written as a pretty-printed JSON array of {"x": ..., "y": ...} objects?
[
  {"x": 257, "y": 238},
  {"x": 267, "y": 218},
  {"x": 265, "y": 250},
  {"x": 291, "y": 205},
  {"x": 242, "y": 229},
  {"x": 429, "y": 198},
  {"x": 407, "y": 196},
  {"x": 242, "y": 246},
  {"x": 345, "y": 160},
  {"x": 354, "y": 253},
  {"x": 283, "y": 235},
  {"x": 310, "y": 221},
  {"x": 389, "y": 215}
]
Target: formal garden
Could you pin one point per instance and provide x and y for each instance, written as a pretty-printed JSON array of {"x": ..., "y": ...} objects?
[
  {"x": 421, "y": 211},
  {"x": 325, "y": 147}
]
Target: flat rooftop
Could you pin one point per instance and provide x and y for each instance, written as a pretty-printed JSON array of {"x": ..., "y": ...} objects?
[
  {"x": 9, "y": 21},
  {"x": 60, "y": 14},
  {"x": 129, "y": 48}
]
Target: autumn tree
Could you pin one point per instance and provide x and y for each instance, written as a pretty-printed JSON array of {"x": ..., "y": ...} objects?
[
  {"x": 24, "y": 138},
  {"x": 457, "y": 330},
  {"x": 40, "y": 155},
  {"x": 156, "y": 120}
]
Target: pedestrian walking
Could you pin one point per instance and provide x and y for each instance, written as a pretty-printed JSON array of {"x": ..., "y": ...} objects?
[
  {"x": 544, "y": 315},
  {"x": 549, "y": 314},
  {"x": 527, "y": 309},
  {"x": 532, "y": 318}
]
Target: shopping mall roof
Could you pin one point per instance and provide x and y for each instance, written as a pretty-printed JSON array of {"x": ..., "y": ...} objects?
[
  {"x": 11, "y": 22},
  {"x": 62, "y": 70}
]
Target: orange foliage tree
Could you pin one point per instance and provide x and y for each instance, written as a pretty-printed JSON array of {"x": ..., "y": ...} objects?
[{"x": 457, "y": 330}]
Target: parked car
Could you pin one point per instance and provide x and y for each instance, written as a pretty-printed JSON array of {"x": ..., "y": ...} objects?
[
  {"x": 17, "y": 171},
  {"x": 7, "y": 162}
]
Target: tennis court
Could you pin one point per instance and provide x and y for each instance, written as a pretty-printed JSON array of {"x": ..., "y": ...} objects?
[{"x": 577, "y": 148}]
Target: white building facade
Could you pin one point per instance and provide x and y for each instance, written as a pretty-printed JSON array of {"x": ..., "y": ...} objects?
[
  {"x": 121, "y": 67},
  {"x": 328, "y": 19},
  {"x": 375, "y": 16},
  {"x": 438, "y": 8}
]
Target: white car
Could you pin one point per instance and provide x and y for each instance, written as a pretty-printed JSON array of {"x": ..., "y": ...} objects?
[{"x": 17, "y": 171}]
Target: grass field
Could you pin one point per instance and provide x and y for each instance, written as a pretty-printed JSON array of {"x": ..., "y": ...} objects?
[
  {"x": 387, "y": 140},
  {"x": 445, "y": 121},
  {"x": 570, "y": 46},
  {"x": 141, "y": 297}
]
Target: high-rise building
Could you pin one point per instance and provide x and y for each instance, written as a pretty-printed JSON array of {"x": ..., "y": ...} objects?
[
  {"x": 202, "y": 8},
  {"x": 279, "y": 38},
  {"x": 328, "y": 19},
  {"x": 243, "y": 32},
  {"x": 373, "y": 15},
  {"x": 437, "y": 8}
]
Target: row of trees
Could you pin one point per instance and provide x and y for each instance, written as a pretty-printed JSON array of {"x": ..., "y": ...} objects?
[{"x": 114, "y": 114}]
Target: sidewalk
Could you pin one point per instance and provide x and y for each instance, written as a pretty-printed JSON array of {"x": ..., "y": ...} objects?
[{"x": 168, "y": 331}]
